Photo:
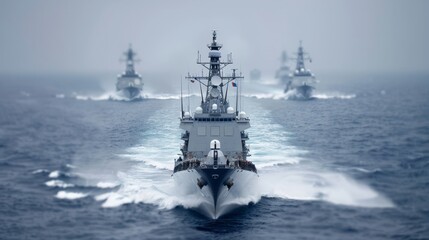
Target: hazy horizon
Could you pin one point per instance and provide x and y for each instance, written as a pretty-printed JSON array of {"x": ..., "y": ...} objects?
[{"x": 45, "y": 37}]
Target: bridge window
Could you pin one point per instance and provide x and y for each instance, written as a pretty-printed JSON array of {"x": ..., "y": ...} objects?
[
  {"x": 215, "y": 131},
  {"x": 229, "y": 131},
  {"x": 201, "y": 131}
]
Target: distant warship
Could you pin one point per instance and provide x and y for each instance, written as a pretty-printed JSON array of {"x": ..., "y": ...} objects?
[
  {"x": 283, "y": 74},
  {"x": 255, "y": 75},
  {"x": 129, "y": 84},
  {"x": 213, "y": 162},
  {"x": 301, "y": 81}
]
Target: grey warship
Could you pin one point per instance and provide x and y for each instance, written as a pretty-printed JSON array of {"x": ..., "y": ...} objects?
[
  {"x": 213, "y": 162},
  {"x": 283, "y": 74},
  {"x": 129, "y": 84},
  {"x": 301, "y": 82}
]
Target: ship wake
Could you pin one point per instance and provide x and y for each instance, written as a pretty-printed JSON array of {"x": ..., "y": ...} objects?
[{"x": 285, "y": 171}]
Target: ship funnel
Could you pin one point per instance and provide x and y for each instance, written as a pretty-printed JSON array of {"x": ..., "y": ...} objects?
[{"x": 215, "y": 144}]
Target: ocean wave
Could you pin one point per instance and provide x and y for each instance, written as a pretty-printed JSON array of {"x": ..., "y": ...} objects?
[
  {"x": 54, "y": 174},
  {"x": 292, "y": 95},
  {"x": 334, "y": 96},
  {"x": 70, "y": 166},
  {"x": 70, "y": 195},
  {"x": 40, "y": 171},
  {"x": 115, "y": 96},
  {"x": 58, "y": 183},
  {"x": 107, "y": 184},
  {"x": 323, "y": 185}
]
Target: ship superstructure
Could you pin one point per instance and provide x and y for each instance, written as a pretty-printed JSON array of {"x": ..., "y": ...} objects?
[
  {"x": 213, "y": 161},
  {"x": 301, "y": 80},
  {"x": 129, "y": 84}
]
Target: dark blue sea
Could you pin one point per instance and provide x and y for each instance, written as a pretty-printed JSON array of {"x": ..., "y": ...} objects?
[{"x": 77, "y": 163}]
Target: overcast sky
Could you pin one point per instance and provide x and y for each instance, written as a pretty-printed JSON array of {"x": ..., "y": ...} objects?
[{"x": 89, "y": 36}]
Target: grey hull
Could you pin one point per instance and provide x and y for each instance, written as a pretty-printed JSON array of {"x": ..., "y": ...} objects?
[
  {"x": 130, "y": 92},
  {"x": 303, "y": 92},
  {"x": 221, "y": 190}
]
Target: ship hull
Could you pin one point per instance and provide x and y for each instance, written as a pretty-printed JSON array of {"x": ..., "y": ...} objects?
[
  {"x": 130, "y": 92},
  {"x": 303, "y": 92},
  {"x": 220, "y": 190},
  {"x": 300, "y": 88}
]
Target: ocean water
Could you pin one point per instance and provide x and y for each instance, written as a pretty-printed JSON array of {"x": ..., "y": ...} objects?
[{"x": 79, "y": 162}]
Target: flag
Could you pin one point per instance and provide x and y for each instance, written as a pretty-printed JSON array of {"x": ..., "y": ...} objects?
[
  {"x": 192, "y": 80},
  {"x": 234, "y": 84}
]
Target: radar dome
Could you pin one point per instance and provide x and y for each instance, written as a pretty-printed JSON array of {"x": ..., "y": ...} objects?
[
  {"x": 215, "y": 144},
  {"x": 216, "y": 80},
  {"x": 214, "y": 106},
  {"x": 187, "y": 115},
  {"x": 198, "y": 110},
  {"x": 214, "y": 53},
  {"x": 230, "y": 110},
  {"x": 242, "y": 114}
]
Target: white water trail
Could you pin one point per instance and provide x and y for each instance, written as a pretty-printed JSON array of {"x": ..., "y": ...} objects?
[
  {"x": 283, "y": 169},
  {"x": 115, "y": 96}
]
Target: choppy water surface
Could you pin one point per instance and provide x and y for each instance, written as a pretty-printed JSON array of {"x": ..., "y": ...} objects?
[{"x": 351, "y": 164}]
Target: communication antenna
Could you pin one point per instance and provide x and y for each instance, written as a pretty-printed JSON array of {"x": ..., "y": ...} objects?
[
  {"x": 181, "y": 96},
  {"x": 236, "y": 92},
  {"x": 201, "y": 90},
  {"x": 189, "y": 100},
  {"x": 241, "y": 83}
]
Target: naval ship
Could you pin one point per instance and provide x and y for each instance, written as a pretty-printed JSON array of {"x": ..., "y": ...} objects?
[
  {"x": 213, "y": 164},
  {"x": 129, "y": 84},
  {"x": 283, "y": 74},
  {"x": 301, "y": 83}
]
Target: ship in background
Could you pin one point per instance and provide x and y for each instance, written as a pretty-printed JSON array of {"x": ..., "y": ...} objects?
[
  {"x": 255, "y": 75},
  {"x": 129, "y": 84},
  {"x": 300, "y": 83},
  {"x": 213, "y": 169},
  {"x": 283, "y": 74}
]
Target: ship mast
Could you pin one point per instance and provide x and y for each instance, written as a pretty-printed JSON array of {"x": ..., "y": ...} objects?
[
  {"x": 215, "y": 82},
  {"x": 130, "y": 60},
  {"x": 301, "y": 57}
]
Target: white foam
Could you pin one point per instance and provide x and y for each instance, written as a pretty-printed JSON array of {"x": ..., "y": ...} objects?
[
  {"x": 316, "y": 184},
  {"x": 60, "y": 96},
  {"x": 54, "y": 174},
  {"x": 40, "y": 171},
  {"x": 116, "y": 96},
  {"x": 334, "y": 96},
  {"x": 138, "y": 188},
  {"x": 70, "y": 195},
  {"x": 107, "y": 184},
  {"x": 58, "y": 183},
  {"x": 273, "y": 150},
  {"x": 112, "y": 95},
  {"x": 70, "y": 166}
]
